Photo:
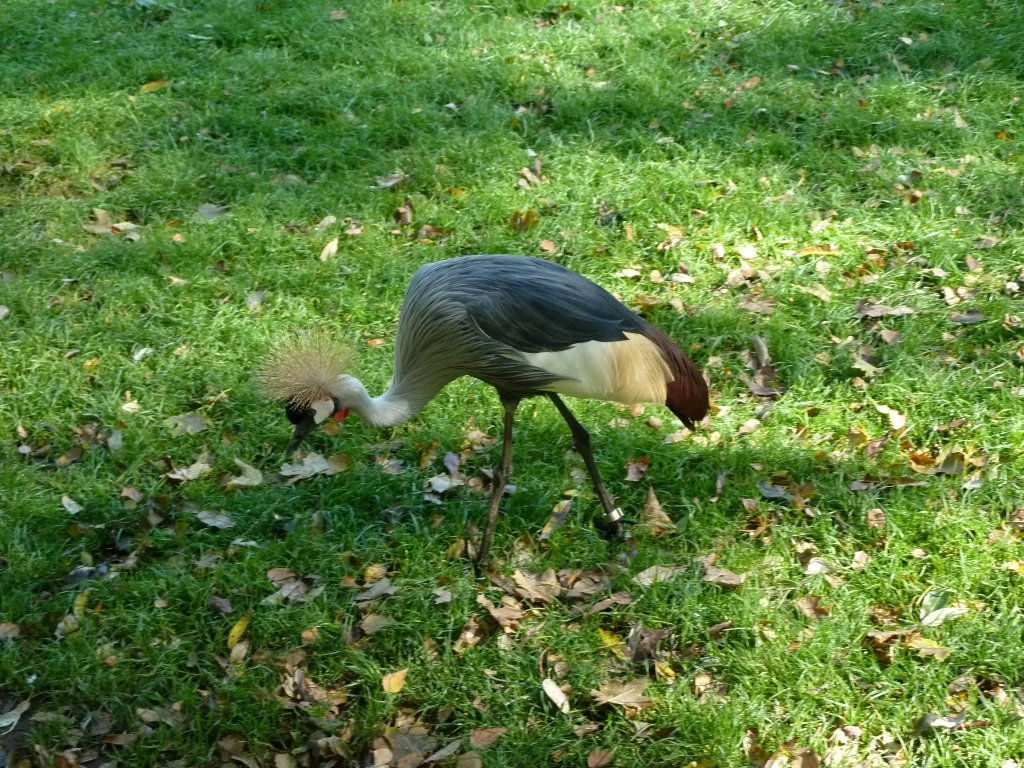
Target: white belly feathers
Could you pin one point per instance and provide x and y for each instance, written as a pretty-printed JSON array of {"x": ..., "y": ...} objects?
[{"x": 629, "y": 371}]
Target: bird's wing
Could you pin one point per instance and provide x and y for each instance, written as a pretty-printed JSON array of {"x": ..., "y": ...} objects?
[{"x": 532, "y": 305}]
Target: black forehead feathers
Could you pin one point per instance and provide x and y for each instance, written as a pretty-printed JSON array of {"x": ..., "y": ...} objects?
[{"x": 296, "y": 413}]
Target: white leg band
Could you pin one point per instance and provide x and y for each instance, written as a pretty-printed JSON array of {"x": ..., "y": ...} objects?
[{"x": 614, "y": 516}]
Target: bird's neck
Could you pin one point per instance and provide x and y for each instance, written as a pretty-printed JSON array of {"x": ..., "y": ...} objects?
[{"x": 387, "y": 410}]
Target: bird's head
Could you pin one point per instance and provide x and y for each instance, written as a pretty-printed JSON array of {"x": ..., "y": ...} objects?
[{"x": 307, "y": 371}]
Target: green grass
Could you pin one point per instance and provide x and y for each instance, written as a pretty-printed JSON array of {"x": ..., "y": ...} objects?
[{"x": 899, "y": 123}]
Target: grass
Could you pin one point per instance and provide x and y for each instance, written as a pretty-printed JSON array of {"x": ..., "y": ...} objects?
[{"x": 877, "y": 152}]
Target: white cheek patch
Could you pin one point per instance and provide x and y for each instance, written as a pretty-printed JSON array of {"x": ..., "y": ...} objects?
[{"x": 322, "y": 410}]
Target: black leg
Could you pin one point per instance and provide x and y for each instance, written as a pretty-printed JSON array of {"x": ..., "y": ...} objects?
[
  {"x": 498, "y": 481},
  {"x": 581, "y": 438}
]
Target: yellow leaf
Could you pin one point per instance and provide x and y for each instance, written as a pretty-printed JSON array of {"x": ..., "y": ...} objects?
[
  {"x": 394, "y": 681},
  {"x": 152, "y": 85},
  {"x": 613, "y": 641},
  {"x": 238, "y": 630},
  {"x": 81, "y": 600}
]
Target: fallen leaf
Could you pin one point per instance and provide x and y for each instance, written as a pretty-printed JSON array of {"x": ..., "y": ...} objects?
[
  {"x": 152, "y": 85},
  {"x": 870, "y": 309},
  {"x": 216, "y": 519},
  {"x": 469, "y": 760},
  {"x": 394, "y": 682},
  {"x": 809, "y": 606},
  {"x": 654, "y": 516},
  {"x": 192, "y": 472},
  {"x": 249, "y": 478},
  {"x": 329, "y": 251},
  {"x": 254, "y": 300},
  {"x": 209, "y": 212},
  {"x": 970, "y": 317},
  {"x": 378, "y": 589},
  {"x": 723, "y": 577},
  {"x": 238, "y": 630},
  {"x": 636, "y": 468},
  {"x": 657, "y": 573},
  {"x": 926, "y": 647},
  {"x": 373, "y": 623},
  {"x": 221, "y": 604},
  {"x": 748, "y": 426},
  {"x": 445, "y": 752},
  {"x": 539, "y": 589},
  {"x": 624, "y": 694},
  {"x": 757, "y": 304},
  {"x": 556, "y": 695},
  {"x": 338, "y": 14},
  {"x": 70, "y": 457},
  {"x": 523, "y": 220},
  {"x": 897, "y": 421},
  {"x": 484, "y": 738},
  {"x": 391, "y": 180},
  {"x": 8, "y": 631},
  {"x": 72, "y": 506},
  {"x": 314, "y": 464},
  {"x": 599, "y": 758},
  {"x": 507, "y": 615},
  {"x": 472, "y": 633},
  {"x": 876, "y": 519},
  {"x": 939, "y": 605},
  {"x": 817, "y": 290},
  {"x": 187, "y": 424}
]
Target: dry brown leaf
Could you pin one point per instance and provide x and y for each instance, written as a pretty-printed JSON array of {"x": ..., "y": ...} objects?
[
  {"x": 624, "y": 694},
  {"x": 871, "y": 309},
  {"x": 653, "y": 514},
  {"x": 723, "y": 577},
  {"x": 539, "y": 589},
  {"x": 657, "y": 573},
  {"x": 636, "y": 468},
  {"x": 373, "y": 623},
  {"x": 196, "y": 470},
  {"x": 507, "y": 615},
  {"x": 599, "y": 758},
  {"x": 380, "y": 588},
  {"x": 249, "y": 478},
  {"x": 471, "y": 635},
  {"x": 469, "y": 760},
  {"x": 810, "y": 607},
  {"x": 876, "y": 518},
  {"x": 748, "y": 426},
  {"x": 314, "y": 464},
  {"x": 897, "y": 421},
  {"x": 484, "y": 737}
]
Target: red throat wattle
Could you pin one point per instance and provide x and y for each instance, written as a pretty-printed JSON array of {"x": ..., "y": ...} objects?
[{"x": 341, "y": 415}]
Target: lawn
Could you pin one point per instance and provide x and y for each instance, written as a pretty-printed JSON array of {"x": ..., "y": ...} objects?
[{"x": 821, "y": 201}]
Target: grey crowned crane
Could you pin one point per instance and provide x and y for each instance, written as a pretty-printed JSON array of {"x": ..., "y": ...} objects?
[{"x": 526, "y": 326}]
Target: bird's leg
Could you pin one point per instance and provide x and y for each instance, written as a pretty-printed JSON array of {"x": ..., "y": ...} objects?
[
  {"x": 498, "y": 481},
  {"x": 581, "y": 438}
]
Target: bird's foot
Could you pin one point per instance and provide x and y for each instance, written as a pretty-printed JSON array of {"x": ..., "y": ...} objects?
[{"x": 612, "y": 527}]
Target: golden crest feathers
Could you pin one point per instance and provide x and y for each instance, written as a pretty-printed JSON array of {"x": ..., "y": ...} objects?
[{"x": 303, "y": 368}]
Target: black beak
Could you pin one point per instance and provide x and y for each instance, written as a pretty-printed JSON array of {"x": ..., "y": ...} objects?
[{"x": 302, "y": 429}]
